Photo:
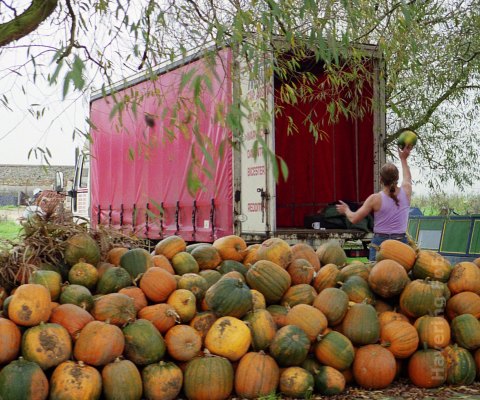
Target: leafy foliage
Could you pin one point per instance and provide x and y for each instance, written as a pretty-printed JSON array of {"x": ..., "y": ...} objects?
[{"x": 430, "y": 51}]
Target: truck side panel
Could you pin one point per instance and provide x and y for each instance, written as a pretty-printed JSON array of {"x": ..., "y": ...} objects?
[{"x": 140, "y": 158}]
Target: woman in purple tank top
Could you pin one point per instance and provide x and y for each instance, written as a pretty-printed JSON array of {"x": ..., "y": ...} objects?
[{"x": 390, "y": 206}]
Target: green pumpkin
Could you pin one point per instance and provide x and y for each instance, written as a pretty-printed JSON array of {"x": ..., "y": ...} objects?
[
  {"x": 461, "y": 369},
  {"x": 84, "y": 274},
  {"x": 231, "y": 265},
  {"x": 331, "y": 253},
  {"x": 143, "y": 343},
  {"x": 262, "y": 327},
  {"x": 298, "y": 294},
  {"x": 208, "y": 377},
  {"x": 81, "y": 247},
  {"x": 466, "y": 331},
  {"x": 407, "y": 137},
  {"x": 356, "y": 268},
  {"x": 424, "y": 297},
  {"x": 184, "y": 263},
  {"x": 22, "y": 379},
  {"x": 47, "y": 344},
  {"x": 162, "y": 381},
  {"x": 329, "y": 381},
  {"x": 290, "y": 346},
  {"x": 211, "y": 276},
  {"x": 361, "y": 324},
  {"x": 121, "y": 380},
  {"x": 229, "y": 296},
  {"x": 357, "y": 290},
  {"x": 206, "y": 256},
  {"x": 333, "y": 302},
  {"x": 432, "y": 265},
  {"x": 197, "y": 284},
  {"x": 113, "y": 279},
  {"x": 50, "y": 279},
  {"x": 136, "y": 262},
  {"x": 269, "y": 279},
  {"x": 335, "y": 350},
  {"x": 78, "y": 295}
]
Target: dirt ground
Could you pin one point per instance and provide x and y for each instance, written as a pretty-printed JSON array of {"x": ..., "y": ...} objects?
[{"x": 405, "y": 390}]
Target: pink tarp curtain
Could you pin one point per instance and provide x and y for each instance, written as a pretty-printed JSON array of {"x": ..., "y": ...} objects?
[
  {"x": 332, "y": 169},
  {"x": 134, "y": 166}
]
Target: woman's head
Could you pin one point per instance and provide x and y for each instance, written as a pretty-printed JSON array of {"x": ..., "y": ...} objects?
[
  {"x": 389, "y": 178},
  {"x": 389, "y": 174}
]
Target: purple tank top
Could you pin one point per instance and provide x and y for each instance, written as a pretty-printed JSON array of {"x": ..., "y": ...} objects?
[{"x": 392, "y": 218}]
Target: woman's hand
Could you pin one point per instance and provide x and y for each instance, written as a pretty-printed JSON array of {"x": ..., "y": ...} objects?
[
  {"x": 342, "y": 208},
  {"x": 405, "y": 152}
]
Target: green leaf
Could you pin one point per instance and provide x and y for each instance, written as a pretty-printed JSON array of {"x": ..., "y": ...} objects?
[{"x": 186, "y": 77}]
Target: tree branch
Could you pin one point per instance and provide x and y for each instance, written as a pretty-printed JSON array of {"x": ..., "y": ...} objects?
[
  {"x": 27, "y": 22},
  {"x": 71, "y": 42}
]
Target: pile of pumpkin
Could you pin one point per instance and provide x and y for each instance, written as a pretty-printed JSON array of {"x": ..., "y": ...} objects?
[{"x": 206, "y": 321}]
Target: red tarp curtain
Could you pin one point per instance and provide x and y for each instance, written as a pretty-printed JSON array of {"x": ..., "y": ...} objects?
[{"x": 323, "y": 172}]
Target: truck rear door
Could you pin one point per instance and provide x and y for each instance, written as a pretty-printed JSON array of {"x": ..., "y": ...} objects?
[{"x": 254, "y": 188}]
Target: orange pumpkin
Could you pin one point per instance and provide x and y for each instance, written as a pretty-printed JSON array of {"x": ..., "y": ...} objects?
[
  {"x": 251, "y": 255},
  {"x": 99, "y": 343},
  {"x": 306, "y": 252},
  {"x": 400, "y": 338},
  {"x": 463, "y": 303},
  {"x": 301, "y": 271},
  {"x": 202, "y": 322},
  {"x": 231, "y": 247},
  {"x": 183, "y": 342},
  {"x": 137, "y": 295},
  {"x": 400, "y": 252},
  {"x": 374, "y": 367},
  {"x": 75, "y": 381},
  {"x": 310, "y": 319},
  {"x": 116, "y": 308},
  {"x": 161, "y": 261},
  {"x": 433, "y": 332},
  {"x": 163, "y": 316},
  {"x": 157, "y": 284},
  {"x": 388, "y": 278},
  {"x": 275, "y": 250},
  {"x": 30, "y": 305},
  {"x": 184, "y": 303},
  {"x": 170, "y": 246},
  {"x": 114, "y": 255},
  {"x": 465, "y": 277},
  {"x": 10, "y": 338},
  {"x": 427, "y": 368},
  {"x": 257, "y": 375},
  {"x": 72, "y": 317},
  {"x": 389, "y": 316},
  {"x": 228, "y": 337},
  {"x": 327, "y": 277}
]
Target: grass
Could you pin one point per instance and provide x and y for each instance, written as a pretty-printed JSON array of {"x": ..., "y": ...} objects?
[{"x": 9, "y": 230}]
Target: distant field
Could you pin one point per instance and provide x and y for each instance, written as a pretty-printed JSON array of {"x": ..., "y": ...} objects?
[{"x": 9, "y": 230}]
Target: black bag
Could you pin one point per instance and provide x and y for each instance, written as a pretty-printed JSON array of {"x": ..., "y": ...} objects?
[{"x": 330, "y": 218}]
